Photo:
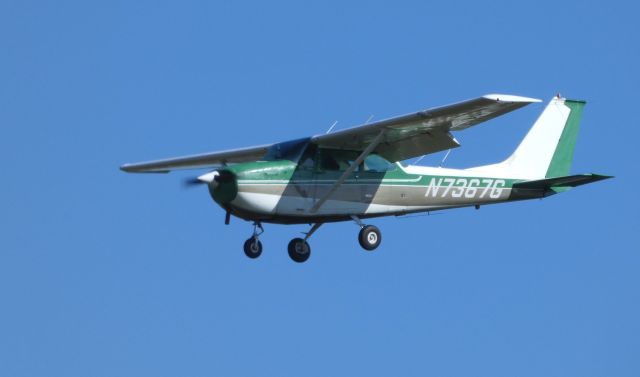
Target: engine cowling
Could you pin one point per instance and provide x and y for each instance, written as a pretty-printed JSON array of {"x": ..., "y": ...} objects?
[{"x": 223, "y": 185}]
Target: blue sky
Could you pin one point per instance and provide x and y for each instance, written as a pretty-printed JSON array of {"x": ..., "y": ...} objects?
[{"x": 104, "y": 273}]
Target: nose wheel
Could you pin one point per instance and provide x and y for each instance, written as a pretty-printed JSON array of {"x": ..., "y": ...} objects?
[{"x": 253, "y": 246}]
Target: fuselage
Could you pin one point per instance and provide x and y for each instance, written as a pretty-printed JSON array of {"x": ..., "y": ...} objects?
[{"x": 284, "y": 191}]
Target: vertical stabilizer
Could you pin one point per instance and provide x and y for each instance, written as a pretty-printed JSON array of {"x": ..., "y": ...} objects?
[{"x": 547, "y": 150}]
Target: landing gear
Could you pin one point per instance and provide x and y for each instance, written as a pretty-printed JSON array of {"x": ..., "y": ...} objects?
[
  {"x": 369, "y": 236},
  {"x": 253, "y": 246},
  {"x": 299, "y": 250}
]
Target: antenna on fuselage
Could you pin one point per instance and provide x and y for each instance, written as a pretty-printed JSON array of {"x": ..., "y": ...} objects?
[
  {"x": 445, "y": 158},
  {"x": 331, "y": 128}
]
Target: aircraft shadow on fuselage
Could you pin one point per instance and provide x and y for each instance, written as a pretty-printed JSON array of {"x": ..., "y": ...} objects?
[{"x": 316, "y": 172}]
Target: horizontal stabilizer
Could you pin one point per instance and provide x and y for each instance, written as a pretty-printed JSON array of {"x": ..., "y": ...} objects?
[{"x": 559, "y": 184}]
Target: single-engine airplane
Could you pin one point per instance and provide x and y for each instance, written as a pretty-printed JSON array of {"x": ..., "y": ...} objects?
[{"x": 356, "y": 173}]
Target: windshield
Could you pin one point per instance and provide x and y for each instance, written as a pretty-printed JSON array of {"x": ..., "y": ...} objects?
[{"x": 289, "y": 150}]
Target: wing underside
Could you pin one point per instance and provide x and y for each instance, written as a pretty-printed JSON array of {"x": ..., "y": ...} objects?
[{"x": 423, "y": 132}]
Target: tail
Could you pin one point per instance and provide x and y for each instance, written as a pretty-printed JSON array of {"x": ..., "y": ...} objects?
[
  {"x": 547, "y": 149},
  {"x": 543, "y": 158}
]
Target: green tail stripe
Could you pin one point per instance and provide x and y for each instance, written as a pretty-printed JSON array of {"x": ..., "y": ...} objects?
[{"x": 563, "y": 156}]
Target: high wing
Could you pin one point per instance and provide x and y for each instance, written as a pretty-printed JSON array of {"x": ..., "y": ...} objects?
[
  {"x": 204, "y": 160},
  {"x": 396, "y": 139},
  {"x": 424, "y": 132}
]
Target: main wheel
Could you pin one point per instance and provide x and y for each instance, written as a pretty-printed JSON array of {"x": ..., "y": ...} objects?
[
  {"x": 369, "y": 237},
  {"x": 252, "y": 247},
  {"x": 299, "y": 250}
]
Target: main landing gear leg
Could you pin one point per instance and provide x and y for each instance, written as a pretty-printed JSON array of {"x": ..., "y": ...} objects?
[
  {"x": 253, "y": 246},
  {"x": 299, "y": 250},
  {"x": 369, "y": 236}
]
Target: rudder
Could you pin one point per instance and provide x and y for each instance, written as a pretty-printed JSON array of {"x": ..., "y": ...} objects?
[{"x": 560, "y": 164}]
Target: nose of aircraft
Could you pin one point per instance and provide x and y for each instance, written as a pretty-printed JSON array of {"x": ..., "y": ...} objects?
[
  {"x": 223, "y": 185},
  {"x": 210, "y": 178}
]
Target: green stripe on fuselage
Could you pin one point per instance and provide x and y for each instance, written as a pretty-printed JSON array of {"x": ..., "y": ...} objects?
[{"x": 394, "y": 188}]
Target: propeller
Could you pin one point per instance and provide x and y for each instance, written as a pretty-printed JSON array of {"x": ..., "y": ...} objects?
[
  {"x": 222, "y": 185},
  {"x": 205, "y": 179},
  {"x": 213, "y": 179},
  {"x": 192, "y": 182}
]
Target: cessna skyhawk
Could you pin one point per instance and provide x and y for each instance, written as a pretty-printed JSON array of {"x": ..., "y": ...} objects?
[{"x": 356, "y": 174}]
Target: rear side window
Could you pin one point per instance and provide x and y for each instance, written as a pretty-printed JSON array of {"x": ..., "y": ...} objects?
[{"x": 377, "y": 163}]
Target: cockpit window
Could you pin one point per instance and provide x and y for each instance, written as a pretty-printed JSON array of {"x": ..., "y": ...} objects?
[
  {"x": 308, "y": 158},
  {"x": 324, "y": 159},
  {"x": 336, "y": 159}
]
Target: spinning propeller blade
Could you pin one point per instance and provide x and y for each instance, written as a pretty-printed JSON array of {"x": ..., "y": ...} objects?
[
  {"x": 192, "y": 182},
  {"x": 212, "y": 178}
]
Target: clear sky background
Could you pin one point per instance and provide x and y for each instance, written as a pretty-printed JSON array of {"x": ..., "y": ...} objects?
[{"x": 104, "y": 273}]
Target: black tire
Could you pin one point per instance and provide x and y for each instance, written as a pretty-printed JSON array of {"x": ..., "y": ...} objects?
[
  {"x": 299, "y": 250},
  {"x": 369, "y": 237},
  {"x": 252, "y": 247}
]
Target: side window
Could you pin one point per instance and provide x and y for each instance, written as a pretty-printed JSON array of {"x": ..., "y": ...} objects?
[{"x": 377, "y": 164}]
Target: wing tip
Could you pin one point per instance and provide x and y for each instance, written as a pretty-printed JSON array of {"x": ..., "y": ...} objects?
[
  {"x": 510, "y": 98},
  {"x": 136, "y": 168}
]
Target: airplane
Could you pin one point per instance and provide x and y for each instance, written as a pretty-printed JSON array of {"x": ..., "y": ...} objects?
[{"x": 357, "y": 173}]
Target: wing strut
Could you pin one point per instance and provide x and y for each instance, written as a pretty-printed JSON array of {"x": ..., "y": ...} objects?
[{"x": 374, "y": 143}]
